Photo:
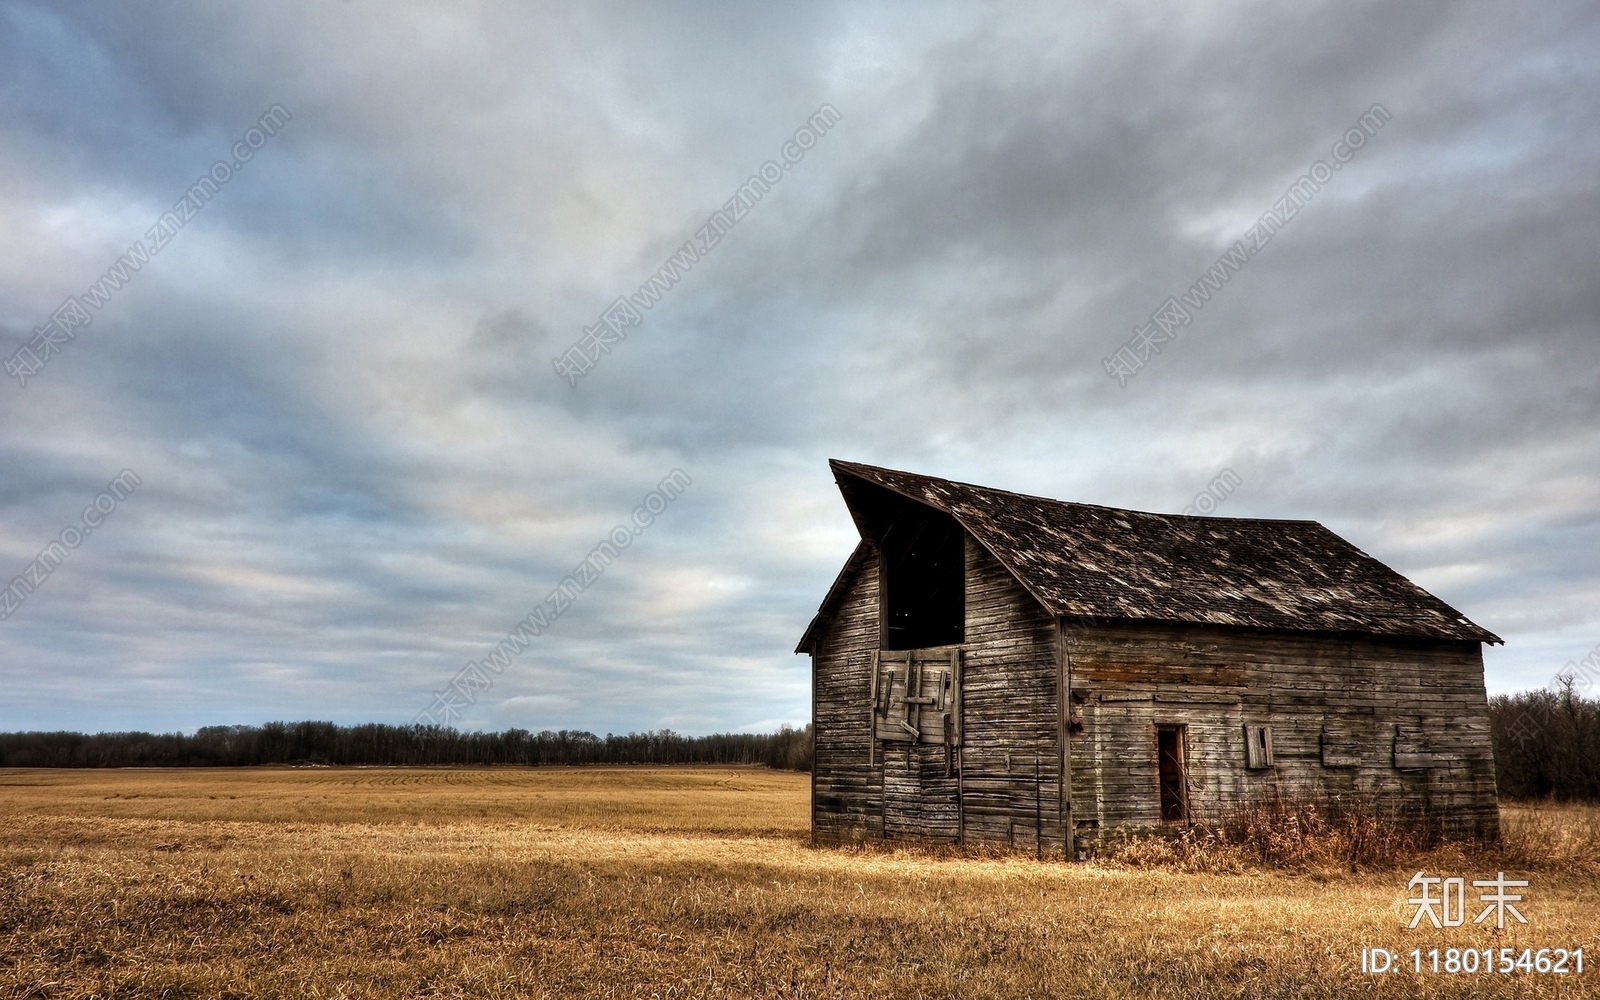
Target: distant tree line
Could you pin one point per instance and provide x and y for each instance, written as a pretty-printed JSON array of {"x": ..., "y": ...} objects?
[
  {"x": 1547, "y": 745},
  {"x": 376, "y": 744}
]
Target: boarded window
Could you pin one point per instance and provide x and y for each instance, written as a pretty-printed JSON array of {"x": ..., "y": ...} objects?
[
  {"x": 916, "y": 696},
  {"x": 1257, "y": 747},
  {"x": 1411, "y": 749},
  {"x": 1339, "y": 747}
]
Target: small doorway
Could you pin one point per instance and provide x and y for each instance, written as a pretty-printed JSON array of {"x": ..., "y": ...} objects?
[{"x": 1169, "y": 765}]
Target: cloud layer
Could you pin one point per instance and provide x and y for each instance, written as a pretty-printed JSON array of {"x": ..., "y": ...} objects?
[{"x": 359, "y": 469}]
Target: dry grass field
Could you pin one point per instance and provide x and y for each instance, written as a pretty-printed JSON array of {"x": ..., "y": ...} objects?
[{"x": 682, "y": 882}]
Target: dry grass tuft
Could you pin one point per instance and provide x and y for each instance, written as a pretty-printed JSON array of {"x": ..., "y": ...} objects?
[
  {"x": 1550, "y": 837},
  {"x": 1301, "y": 836},
  {"x": 1284, "y": 834}
]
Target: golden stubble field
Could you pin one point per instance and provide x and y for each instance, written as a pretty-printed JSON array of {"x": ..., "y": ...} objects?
[{"x": 677, "y": 882}]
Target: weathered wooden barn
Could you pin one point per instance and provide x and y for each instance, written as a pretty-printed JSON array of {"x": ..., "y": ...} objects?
[{"x": 993, "y": 667}]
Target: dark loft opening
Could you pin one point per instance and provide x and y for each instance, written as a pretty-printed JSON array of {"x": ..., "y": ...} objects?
[
  {"x": 923, "y": 579},
  {"x": 1169, "y": 754}
]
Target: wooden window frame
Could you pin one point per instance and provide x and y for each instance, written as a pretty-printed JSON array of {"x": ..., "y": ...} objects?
[
  {"x": 1258, "y": 753},
  {"x": 1180, "y": 731}
]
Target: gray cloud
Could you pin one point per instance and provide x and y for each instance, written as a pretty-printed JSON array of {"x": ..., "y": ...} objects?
[{"x": 360, "y": 469}]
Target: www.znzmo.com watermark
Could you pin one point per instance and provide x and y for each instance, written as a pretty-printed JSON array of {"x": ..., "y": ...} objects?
[
  {"x": 474, "y": 678},
  {"x": 1218, "y": 490},
  {"x": 1576, "y": 678},
  {"x": 624, "y": 314},
  {"x": 56, "y": 552},
  {"x": 74, "y": 313},
  {"x": 1163, "y": 324}
]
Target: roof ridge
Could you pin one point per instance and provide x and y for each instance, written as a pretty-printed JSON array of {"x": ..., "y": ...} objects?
[
  {"x": 1077, "y": 503},
  {"x": 1115, "y": 562}
]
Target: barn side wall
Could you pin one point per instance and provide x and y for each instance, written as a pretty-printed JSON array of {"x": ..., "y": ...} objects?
[
  {"x": 1003, "y": 786},
  {"x": 1343, "y": 713}
]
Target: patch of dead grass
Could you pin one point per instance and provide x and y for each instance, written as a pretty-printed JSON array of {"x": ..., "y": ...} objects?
[{"x": 358, "y": 896}]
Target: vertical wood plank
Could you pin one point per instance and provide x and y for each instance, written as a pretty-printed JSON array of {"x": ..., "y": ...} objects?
[
  {"x": 872, "y": 716},
  {"x": 1064, "y": 741}
]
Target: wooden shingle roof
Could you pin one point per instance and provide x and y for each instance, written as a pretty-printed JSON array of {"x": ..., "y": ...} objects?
[{"x": 1088, "y": 561}]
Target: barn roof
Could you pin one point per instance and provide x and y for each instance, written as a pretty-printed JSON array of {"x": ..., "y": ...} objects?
[{"x": 1083, "y": 560}]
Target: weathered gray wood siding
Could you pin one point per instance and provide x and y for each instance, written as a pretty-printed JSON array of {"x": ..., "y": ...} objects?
[
  {"x": 1327, "y": 699},
  {"x": 1010, "y": 725},
  {"x": 1010, "y": 708},
  {"x": 921, "y": 798},
  {"x": 846, "y": 790}
]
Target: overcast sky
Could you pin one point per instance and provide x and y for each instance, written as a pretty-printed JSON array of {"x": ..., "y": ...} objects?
[{"x": 358, "y": 468}]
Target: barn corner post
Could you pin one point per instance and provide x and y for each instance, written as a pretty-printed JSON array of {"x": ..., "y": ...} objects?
[{"x": 1064, "y": 740}]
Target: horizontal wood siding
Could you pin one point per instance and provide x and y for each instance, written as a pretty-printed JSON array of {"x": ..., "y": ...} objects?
[
  {"x": 920, "y": 797},
  {"x": 1328, "y": 700},
  {"x": 847, "y": 790},
  {"x": 1010, "y": 712},
  {"x": 1009, "y": 708},
  {"x": 1402, "y": 724}
]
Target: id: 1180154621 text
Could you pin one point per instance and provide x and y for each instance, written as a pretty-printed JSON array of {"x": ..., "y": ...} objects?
[{"x": 1473, "y": 961}]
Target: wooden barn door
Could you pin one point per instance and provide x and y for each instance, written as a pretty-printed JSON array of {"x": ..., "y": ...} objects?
[{"x": 916, "y": 713}]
